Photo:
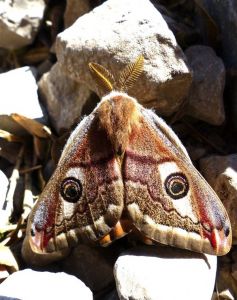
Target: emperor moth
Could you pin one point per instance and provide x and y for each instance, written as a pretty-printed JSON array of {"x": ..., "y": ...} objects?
[{"x": 124, "y": 169}]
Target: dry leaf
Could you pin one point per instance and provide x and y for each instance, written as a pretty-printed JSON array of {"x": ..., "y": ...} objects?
[
  {"x": 3, "y": 273},
  {"x": 33, "y": 127},
  {"x": 7, "y": 259},
  {"x": 9, "y": 136}
]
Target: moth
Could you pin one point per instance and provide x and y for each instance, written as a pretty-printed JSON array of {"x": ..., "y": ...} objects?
[{"x": 123, "y": 169}]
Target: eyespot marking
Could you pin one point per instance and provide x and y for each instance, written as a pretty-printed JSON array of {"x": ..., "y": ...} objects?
[
  {"x": 176, "y": 185},
  {"x": 71, "y": 189}
]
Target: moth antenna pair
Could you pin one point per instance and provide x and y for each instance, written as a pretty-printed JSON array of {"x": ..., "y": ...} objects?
[{"x": 105, "y": 79}]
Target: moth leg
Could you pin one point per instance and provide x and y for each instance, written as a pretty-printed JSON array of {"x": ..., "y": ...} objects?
[
  {"x": 105, "y": 241},
  {"x": 118, "y": 231}
]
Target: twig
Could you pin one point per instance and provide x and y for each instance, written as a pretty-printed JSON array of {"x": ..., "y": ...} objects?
[
  {"x": 31, "y": 169},
  {"x": 8, "y": 205},
  {"x": 28, "y": 200}
]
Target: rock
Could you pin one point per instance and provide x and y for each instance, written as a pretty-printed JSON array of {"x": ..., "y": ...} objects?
[
  {"x": 93, "y": 265},
  {"x": 227, "y": 287},
  {"x": 29, "y": 284},
  {"x": 19, "y": 95},
  {"x": 19, "y": 22},
  {"x": 184, "y": 33},
  {"x": 63, "y": 97},
  {"x": 125, "y": 30},
  {"x": 221, "y": 173},
  {"x": 224, "y": 14},
  {"x": 205, "y": 101},
  {"x": 74, "y": 10},
  {"x": 113, "y": 295},
  {"x": 164, "y": 273}
]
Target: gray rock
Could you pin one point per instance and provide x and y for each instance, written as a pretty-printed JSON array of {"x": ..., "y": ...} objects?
[
  {"x": 205, "y": 101},
  {"x": 164, "y": 273},
  {"x": 63, "y": 97},
  {"x": 19, "y": 22},
  {"x": 74, "y": 10},
  {"x": 221, "y": 173},
  {"x": 93, "y": 265},
  {"x": 116, "y": 33},
  {"x": 226, "y": 283},
  {"x": 112, "y": 295},
  {"x": 29, "y": 284},
  {"x": 18, "y": 94},
  {"x": 224, "y": 14}
]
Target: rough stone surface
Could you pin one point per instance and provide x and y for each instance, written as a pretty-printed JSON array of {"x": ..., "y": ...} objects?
[
  {"x": 164, "y": 273},
  {"x": 63, "y": 97},
  {"x": 19, "y": 22},
  {"x": 205, "y": 101},
  {"x": 74, "y": 10},
  {"x": 19, "y": 94},
  {"x": 224, "y": 14},
  {"x": 125, "y": 30},
  {"x": 29, "y": 284},
  {"x": 94, "y": 266},
  {"x": 227, "y": 288},
  {"x": 221, "y": 173}
]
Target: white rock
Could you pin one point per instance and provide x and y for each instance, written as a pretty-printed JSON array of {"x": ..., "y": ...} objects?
[
  {"x": 205, "y": 100},
  {"x": 63, "y": 97},
  {"x": 221, "y": 173},
  {"x": 29, "y": 284},
  {"x": 18, "y": 94},
  {"x": 19, "y": 22},
  {"x": 164, "y": 273},
  {"x": 74, "y": 10},
  {"x": 116, "y": 33}
]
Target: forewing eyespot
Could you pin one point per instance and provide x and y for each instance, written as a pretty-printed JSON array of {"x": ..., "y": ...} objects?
[
  {"x": 176, "y": 185},
  {"x": 71, "y": 189}
]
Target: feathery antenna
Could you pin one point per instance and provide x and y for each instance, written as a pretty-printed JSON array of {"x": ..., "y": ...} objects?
[
  {"x": 130, "y": 74},
  {"x": 102, "y": 76},
  {"x": 105, "y": 79}
]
